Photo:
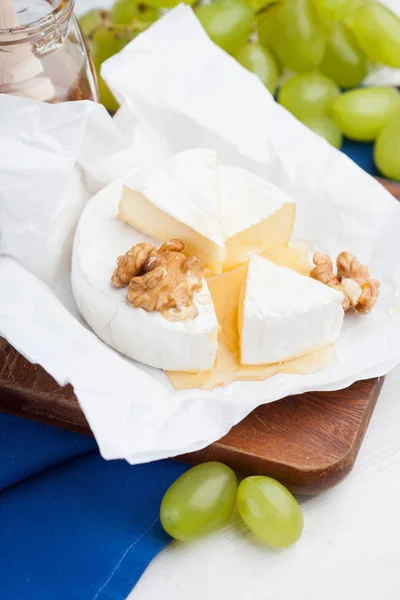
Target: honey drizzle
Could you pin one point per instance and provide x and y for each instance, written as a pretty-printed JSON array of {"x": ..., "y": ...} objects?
[{"x": 225, "y": 290}]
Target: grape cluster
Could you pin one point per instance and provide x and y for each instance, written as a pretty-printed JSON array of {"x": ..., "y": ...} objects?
[{"x": 320, "y": 46}]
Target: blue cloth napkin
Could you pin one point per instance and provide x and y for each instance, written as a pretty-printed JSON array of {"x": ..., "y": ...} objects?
[
  {"x": 362, "y": 154},
  {"x": 73, "y": 526}
]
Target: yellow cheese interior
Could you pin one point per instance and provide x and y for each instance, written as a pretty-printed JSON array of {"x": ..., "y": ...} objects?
[
  {"x": 139, "y": 212},
  {"x": 265, "y": 237},
  {"x": 226, "y": 291},
  {"x": 240, "y": 320}
]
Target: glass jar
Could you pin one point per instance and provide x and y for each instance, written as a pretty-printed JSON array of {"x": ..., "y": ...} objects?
[{"x": 43, "y": 54}]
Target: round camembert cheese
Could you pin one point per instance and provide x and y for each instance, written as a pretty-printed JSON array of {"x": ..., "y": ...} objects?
[{"x": 227, "y": 215}]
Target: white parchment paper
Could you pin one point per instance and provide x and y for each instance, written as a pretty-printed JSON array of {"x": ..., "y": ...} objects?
[{"x": 180, "y": 91}]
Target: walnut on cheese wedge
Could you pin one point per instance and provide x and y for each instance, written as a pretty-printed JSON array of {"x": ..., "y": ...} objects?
[
  {"x": 182, "y": 345},
  {"x": 222, "y": 213},
  {"x": 283, "y": 314},
  {"x": 163, "y": 279}
]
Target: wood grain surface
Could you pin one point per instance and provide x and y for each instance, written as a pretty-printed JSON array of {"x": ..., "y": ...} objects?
[{"x": 309, "y": 442}]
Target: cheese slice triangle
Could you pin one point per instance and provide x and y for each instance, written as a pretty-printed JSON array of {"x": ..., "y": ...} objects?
[
  {"x": 179, "y": 198},
  {"x": 257, "y": 216},
  {"x": 222, "y": 213},
  {"x": 283, "y": 314}
]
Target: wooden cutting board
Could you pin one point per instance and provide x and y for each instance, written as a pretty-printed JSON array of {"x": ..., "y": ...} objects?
[{"x": 309, "y": 442}]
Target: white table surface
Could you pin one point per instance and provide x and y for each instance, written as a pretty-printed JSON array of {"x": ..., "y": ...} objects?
[{"x": 350, "y": 548}]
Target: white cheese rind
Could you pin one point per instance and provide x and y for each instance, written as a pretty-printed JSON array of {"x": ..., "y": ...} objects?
[
  {"x": 247, "y": 199},
  {"x": 285, "y": 314},
  {"x": 188, "y": 345},
  {"x": 185, "y": 187}
]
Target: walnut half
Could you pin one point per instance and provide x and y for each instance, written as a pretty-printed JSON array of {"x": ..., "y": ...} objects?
[
  {"x": 159, "y": 280},
  {"x": 353, "y": 279}
]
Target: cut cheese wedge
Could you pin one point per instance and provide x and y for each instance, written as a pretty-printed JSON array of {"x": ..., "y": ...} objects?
[
  {"x": 222, "y": 213},
  {"x": 179, "y": 198},
  {"x": 257, "y": 216},
  {"x": 283, "y": 314},
  {"x": 148, "y": 337}
]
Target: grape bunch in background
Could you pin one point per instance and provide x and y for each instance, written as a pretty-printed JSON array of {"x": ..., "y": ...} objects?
[{"x": 317, "y": 49}]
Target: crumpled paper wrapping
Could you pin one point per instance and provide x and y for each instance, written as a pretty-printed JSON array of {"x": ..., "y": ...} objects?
[{"x": 179, "y": 91}]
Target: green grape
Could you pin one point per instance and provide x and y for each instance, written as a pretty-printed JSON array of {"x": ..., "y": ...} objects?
[
  {"x": 167, "y": 3},
  {"x": 260, "y": 61},
  {"x": 325, "y": 127},
  {"x": 106, "y": 43},
  {"x": 92, "y": 20},
  {"x": 200, "y": 501},
  {"x": 270, "y": 511},
  {"x": 294, "y": 33},
  {"x": 257, "y": 5},
  {"x": 107, "y": 37},
  {"x": 308, "y": 95},
  {"x": 344, "y": 61},
  {"x": 377, "y": 30},
  {"x": 106, "y": 96},
  {"x": 387, "y": 150},
  {"x": 334, "y": 10},
  {"x": 124, "y": 12},
  {"x": 362, "y": 114},
  {"x": 227, "y": 22}
]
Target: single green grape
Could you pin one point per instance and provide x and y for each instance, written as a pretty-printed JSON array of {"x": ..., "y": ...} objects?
[
  {"x": 124, "y": 12},
  {"x": 294, "y": 33},
  {"x": 106, "y": 96},
  {"x": 325, "y": 127},
  {"x": 92, "y": 20},
  {"x": 257, "y": 5},
  {"x": 270, "y": 511},
  {"x": 308, "y": 95},
  {"x": 377, "y": 30},
  {"x": 343, "y": 61},
  {"x": 334, "y": 10},
  {"x": 387, "y": 150},
  {"x": 362, "y": 114},
  {"x": 200, "y": 501},
  {"x": 260, "y": 61},
  {"x": 167, "y": 3},
  {"x": 227, "y": 22},
  {"x": 106, "y": 43}
]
